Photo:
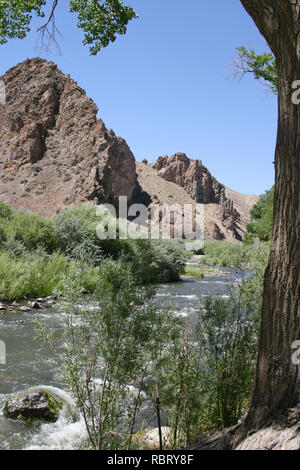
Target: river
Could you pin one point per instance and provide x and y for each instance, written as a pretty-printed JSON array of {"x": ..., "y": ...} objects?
[{"x": 29, "y": 366}]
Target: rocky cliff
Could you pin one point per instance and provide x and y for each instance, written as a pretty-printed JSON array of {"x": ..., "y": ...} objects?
[
  {"x": 53, "y": 150},
  {"x": 203, "y": 188},
  {"x": 222, "y": 220},
  {"x": 191, "y": 175}
]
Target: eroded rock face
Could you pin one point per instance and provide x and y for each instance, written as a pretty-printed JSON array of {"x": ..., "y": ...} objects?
[
  {"x": 193, "y": 176},
  {"x": 203, "y": 188},
  {"x": 54, "y": 152},
  {"x": 214, "y": 231},
  {"x": 39, "y": 406}
]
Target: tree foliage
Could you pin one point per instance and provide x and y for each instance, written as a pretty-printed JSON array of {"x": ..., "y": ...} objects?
[
  {"x": 100, "y": 20},
  {"x": 262, "y": 218},
  {"x": 262, "y": 66},
  {"x": 16, "y": 16}
]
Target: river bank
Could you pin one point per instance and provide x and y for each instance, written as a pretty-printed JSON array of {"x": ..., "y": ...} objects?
[{"x": 31, "y": 302}]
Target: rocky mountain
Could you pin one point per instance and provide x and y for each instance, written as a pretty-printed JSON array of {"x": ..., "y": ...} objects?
[
  {"x": 55, "y": 152},
  {"x": 181, "y": 180}
]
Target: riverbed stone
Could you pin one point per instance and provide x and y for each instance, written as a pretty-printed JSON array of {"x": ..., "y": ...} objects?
[
  {"x": 35, "y": 305},
  {"x": 24, "y": 309},
  {"x": 37, "y": 406}
]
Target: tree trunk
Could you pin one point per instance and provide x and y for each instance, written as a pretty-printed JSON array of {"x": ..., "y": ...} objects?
[{"x": 277, "y": 379}]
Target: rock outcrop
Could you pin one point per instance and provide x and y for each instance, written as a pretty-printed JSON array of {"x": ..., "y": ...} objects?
[
  {"x": 203, "y": 188},
  {"x": 38, "y": 406},
  {"x": 54, "y": 152},
  {"x": 191, "y": 175},
  {"x": 180, "y": 180}
]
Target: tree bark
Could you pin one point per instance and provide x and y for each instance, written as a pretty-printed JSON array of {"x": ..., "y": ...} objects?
[{"x": 277, "y": 379}]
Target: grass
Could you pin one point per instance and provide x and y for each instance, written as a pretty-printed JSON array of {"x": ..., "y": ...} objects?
[
  {"x": 199, "y": 271},
  {"x": 39, "y": 276},
  {"x": 37, "y": 254},
  {"x": 236, "y": 255}
]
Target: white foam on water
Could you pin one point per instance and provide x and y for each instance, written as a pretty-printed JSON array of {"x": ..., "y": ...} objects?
[
  {"x": 216, "y": 295},
  {"x": 216, "y": 282},
  {"x": 182, "y": 313},
  {"x": 186, "y": 296},
  {"x": 62, "y": 435},
  {"x": 67, "y": 433},
  {"x": 134, "y": 391}
]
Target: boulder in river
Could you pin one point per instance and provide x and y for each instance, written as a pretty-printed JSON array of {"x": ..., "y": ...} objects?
[{"x": 36, "y": 406}]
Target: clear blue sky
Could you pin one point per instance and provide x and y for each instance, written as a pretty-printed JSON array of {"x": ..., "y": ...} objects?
[{"x": 165, "y": 86}]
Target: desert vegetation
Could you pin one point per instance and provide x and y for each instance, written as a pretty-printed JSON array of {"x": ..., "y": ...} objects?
[{"x": 37, "y": 254}]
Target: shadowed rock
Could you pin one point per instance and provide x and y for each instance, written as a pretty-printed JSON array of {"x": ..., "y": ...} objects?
[{"x": 38, "y": 406}]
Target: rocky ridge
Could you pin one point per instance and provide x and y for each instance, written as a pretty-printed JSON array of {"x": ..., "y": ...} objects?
[
  {"x": 222, "y": 220},
  {"x": 55, "y": 152}
]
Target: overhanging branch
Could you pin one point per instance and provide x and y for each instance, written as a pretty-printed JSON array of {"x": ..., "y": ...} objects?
[{"x": 47, "y": 33}]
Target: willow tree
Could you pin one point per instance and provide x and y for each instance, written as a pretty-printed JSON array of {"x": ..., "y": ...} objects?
[{"x": 277, "y": 380}]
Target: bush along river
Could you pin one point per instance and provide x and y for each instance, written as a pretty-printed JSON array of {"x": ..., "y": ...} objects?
[{"x": 29, "y": 368}]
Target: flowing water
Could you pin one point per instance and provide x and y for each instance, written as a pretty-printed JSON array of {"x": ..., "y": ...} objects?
[{"x": 30, "y": 366}]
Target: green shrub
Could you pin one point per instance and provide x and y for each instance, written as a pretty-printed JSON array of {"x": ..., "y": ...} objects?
[
  {"x": 262, "y": 218},
  {"x": 6, "y": 212},
  {"x": 77, "y": 232},
  {"x": 226, "y": 334},
  {"x": 2, "y": 235},
  {"x": 39, "y": 274},
  {"x": 15, "y": 248},
  {"x": 205, "y": 383},
  {"x": 75, "y": 239},
  {"x": 113, "y": 348},
  {"x": 236, "y": 254},
  {"x": 155, "y": 261},
  {"x": 169, "y": 259},
  {"x": 30, "y": 229}
]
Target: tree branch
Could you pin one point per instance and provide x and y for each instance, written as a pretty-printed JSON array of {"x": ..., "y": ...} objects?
[
  {"x": 51, "y": 16},
  {"x": 47, "y": 36}
]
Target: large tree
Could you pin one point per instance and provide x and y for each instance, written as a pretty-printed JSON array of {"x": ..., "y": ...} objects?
[{"x": 277, "y": 380}]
